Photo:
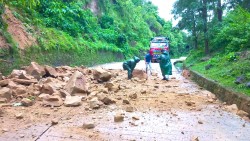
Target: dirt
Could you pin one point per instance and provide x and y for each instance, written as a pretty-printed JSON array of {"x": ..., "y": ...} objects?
[
  {"x": 3, "y": 43},
  {"x": 17, "y": 30},
  {"x": 155, "y": 109}
]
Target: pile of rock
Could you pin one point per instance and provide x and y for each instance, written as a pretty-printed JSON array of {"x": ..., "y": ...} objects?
[{"x": 58, "y": 86}]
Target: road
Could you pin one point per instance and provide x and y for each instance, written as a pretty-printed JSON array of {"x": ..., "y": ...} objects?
[{"x": 175, "y": 110}]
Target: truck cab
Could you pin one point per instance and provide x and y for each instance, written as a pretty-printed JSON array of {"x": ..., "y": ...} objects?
[{"x": 157, "y": 44}]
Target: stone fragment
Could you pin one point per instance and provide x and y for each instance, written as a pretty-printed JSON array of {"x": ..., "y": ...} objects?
[
  {"x": 54, "y": 101},
  {"x": 95, "y": 103},
  {"x": 125, "y": 101},
  {"x": 54, "y": 121},
  {"x": 48, "y": 89},
  {"x": 3, "y": 100},
  {"x": 4, "y": 83},
  {"x": 101, "y": 75},
  {"x": 89, "y": 125},
  {"x": 186, "y": 74},
  {"x": 19, "y": 116},
  {"x": 140, "y": 74},
  {"x": 50, "y": 71},
  {"x": 135, "y": 118},
  {"x": 242, "y": 113},
  {"x": 232, "y": 108},
  {"x": 195, "y": 139},
  {"x": 129, "y": 109},
  {"x": 200, "y": 122},
  {"x": 26, "y": 102},
  {"x": 35, "y": 70},
  {"x": 76, "y": 84},
  {"x": 73, "y": 101},
  {"x": 118, "y": 117},
  {"x": 190, "y": 103},
  {"x": 24, "y": 81},
  {"x": 133, "y": 96},
  {"x": 108, "y": 101},
  {"x": 16, "y": 73},
  {"x": 5, "y": 93},
  {"x": 240, "y": 80}
]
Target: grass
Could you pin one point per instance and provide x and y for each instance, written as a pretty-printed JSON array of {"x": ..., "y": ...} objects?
[{"x": 224, "y": 71}]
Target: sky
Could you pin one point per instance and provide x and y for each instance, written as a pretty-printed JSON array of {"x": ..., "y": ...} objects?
[{"x": 164, "y": 9}]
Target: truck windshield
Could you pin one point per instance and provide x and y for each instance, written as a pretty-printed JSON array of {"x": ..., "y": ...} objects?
[{"x": 158, "y": 45}]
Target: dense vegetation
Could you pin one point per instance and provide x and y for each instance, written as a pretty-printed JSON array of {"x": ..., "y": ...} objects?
[
  {"x": 221, "y": 44},
  {"x": 68, "y": 32}
]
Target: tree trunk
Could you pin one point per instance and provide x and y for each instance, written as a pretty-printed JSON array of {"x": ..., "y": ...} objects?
[
  {"x": 194, "y": 32},
  {"x": 204, "y": 16},
  {"x": 219, "y": 11}
]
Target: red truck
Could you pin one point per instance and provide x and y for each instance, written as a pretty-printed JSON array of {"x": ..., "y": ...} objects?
[{"x": 156, "y": 45}]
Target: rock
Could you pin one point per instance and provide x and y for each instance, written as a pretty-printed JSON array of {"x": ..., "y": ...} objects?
[
  {"x": 200, "y": 122},
  {"x": 232, "y": 108},
  {"x": 125, "y": 101},
  {"x": 25, "y": 76},
  {"x": 42, "y": 96},
  {"x": 54, "y": 121},
  {"x": 135, "y": 118},
  {"x": 240, "y": 80},
  {"x": 143, "y": 91},
  {"x": 5, "y": 130},
  {"x": 5, "y": 93},
  {"x": 133, "y": 96},
  {"x": 73, "y": 101},
  {"x": 185, "y": 73},
  {"x": 129, "y": 109},
  {"x": 190, "y": 103},
  {"x": 12, "y": 85},
  {"x": 26, "y": 102},
  {"x": 24, "y": 81},
  {"x": 242, "y": 113},
  {"x": 50, "y": 71},
  {"x": 17, "y": 73},
  {"x": 88, "y": 125},
  {"x": 76, "y": 84},
  {"x": 19, "y": 91},
  {"x": 48, "y": 89},
  {"x": 205, "y": 59},
  {"x": 95, "y": 103},
  {"x": 109, "y": 85},
  {"x": 108, "y": 101},
  {"x": 209, "y": 66},
  {"x": 35, "y": 70},
  {"x": 3, "y": 100},
  {"x": 4, "y": 83},
  {"x": 19, "y": 116},
  {"x": 118, "y": 117},
  {"x": 140, "y": 74},
  {"x": 54, "y": 101},
  {"x": 195, "y": 139},
  {"x": 248, "y": 84},
  {"x": 101, "y": 75},
  {"x": 1, "y": 76}
]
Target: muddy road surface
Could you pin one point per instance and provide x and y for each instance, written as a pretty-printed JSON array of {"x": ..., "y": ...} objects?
[{"x": 144, "y": 108}]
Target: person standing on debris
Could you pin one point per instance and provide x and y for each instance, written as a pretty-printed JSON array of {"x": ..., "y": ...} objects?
[
  {"x": 130, "y": 65},
  {"x": 148, "y": 58},
  {"x": 165, "y": 64}
]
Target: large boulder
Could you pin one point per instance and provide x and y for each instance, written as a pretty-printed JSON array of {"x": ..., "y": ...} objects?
[
  {"x": 73, "y": 101},
  {"x": 35, "y": 70},
  {"x": 6, "y": 93},
  {"x": 140, "y": 74},
  {"x": 101, "y": 75},
  {"x": 76, "y": 84}
]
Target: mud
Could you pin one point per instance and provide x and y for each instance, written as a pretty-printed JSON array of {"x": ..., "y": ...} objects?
[{"x": 163, "y": 110}]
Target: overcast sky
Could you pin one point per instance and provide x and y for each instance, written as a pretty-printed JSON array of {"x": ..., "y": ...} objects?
[{"x": 164, "y": 8}]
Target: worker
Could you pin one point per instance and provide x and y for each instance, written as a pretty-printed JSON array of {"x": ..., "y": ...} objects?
[
  {"x": 148, "y": 58},
  {"x": 165, "y": 65},
  {"x": 130, "y": 65}
]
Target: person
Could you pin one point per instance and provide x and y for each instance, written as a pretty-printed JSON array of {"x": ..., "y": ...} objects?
[
  {"x": 165, "y": 64},
  {"x": 148, "y": 58},
  {"x": 130, "y": 65}
]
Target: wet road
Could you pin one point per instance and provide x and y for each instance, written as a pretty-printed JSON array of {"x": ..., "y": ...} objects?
[{"x": 163, "y": 114}]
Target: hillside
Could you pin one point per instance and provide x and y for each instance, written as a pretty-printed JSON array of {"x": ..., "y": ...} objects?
[{"x": 75, "y": 32}]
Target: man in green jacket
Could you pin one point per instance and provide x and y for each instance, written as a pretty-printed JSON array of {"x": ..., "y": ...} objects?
[
  {"x": 165, "y": 65},
  {"x": 130, "y": 65}
]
